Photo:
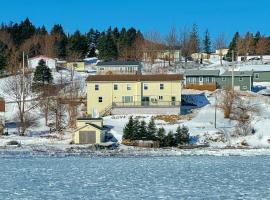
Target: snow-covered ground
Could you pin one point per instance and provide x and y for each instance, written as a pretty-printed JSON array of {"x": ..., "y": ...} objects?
[{"x": 200, "y": 123}]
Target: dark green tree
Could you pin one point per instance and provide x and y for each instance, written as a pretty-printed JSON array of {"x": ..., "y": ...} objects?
[
  {"x": 129, "y": 129},
  {"x": 233, "y": 47},
  {"x": 207, "y": 42},
  {"x": 194, "y": 40},
  {"x": 151, "y": 129},
  {"x": 169, "y": 140},
  {"x": 42, "y": 74},
  {"x": 161, "y": 134},
  {"x": 143, "y": 134}
]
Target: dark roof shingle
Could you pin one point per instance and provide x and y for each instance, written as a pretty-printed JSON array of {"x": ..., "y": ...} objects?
[{"x": 156, "y": 77}]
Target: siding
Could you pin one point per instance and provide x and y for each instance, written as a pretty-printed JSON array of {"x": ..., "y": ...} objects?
[{"x": 263, "y": 76}]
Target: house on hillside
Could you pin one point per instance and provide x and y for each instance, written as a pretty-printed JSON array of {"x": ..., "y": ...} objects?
[
  {"x": 243, "y": 80},
  {"x": 89, "y": 131},
  {"x": 133, "y": 93},
  {"x": 201, "y": 79},
  {"x": 50, "y": 62},
  {"x": 261, "y": 73},
  {"x": 78, "y": 66},
  {"x": 118, "y": 67}
]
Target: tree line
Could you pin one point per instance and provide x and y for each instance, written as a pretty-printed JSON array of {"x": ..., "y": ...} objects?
[
  {"x": 24, "y": 36},
  {"x": 249, "y": 44},
  {"x": 140, "y": 130}
]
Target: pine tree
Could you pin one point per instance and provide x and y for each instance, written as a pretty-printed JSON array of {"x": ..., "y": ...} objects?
[
  {"x": 42, "y": 74},
  {"x": 169, "y": 140},
  {"x": 194, "y": 41},
  {"x": 161, "y": 136},
  {"x": 143, "y": 131},
  {"x": 233, "y": 47},
  {"x": 151, "y": 129},
  {"x": 184, "y": 136},
  {"x": 136, "y": 132},
  {"x": 178, "y": 135},
  {"x": 207, "y": 42},
  {"x": 128, "y": 129}
]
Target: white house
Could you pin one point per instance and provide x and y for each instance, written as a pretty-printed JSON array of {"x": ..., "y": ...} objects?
[{"x": 50, "y": 62}]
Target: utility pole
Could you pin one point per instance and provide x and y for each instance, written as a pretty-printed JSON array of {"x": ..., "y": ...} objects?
[
  {"x": 232, "y": 70},
  {"x": 22, "y": 95},
  {"x": 216, "y": 110}
]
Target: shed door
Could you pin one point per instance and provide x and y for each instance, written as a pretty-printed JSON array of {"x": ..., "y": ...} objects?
[{"x": 87, "y": 137}]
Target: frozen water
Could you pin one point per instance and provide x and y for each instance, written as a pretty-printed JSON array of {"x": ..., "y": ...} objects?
[{"x": 182, "y": 177}]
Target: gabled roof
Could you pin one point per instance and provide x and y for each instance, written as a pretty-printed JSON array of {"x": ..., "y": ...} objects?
[
  {"x": 153, "y": 77},
  {"x": 89, "y": 124},
  {"x": 202, "y": 72},
  {"x": 117, "y": 63},
  {"x": 238, "y": 73}
]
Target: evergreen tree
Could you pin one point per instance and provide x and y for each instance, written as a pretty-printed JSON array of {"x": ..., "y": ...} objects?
[
  {"x": 42, "y": 74},
  {"x": 161, "y": 136},
  {"x": 151, "y": 129},
  {"x": 207, "y": 42},
  {"x": 136, "y": 132},
  {"x": 184, "y": 136},
  {"x": 178, "y": 135},
  {"x": 194, "y": 41},
  {"x": 3, "y": 62},
  {"x": 233, "y": 47},
  {"x": 128, "y": 129},
  {"x": 107, "y": 48},
  {"x": 143, "y": 130},
  {"x": 78, "y": 43},
  {"x": 169, "y": 140}
]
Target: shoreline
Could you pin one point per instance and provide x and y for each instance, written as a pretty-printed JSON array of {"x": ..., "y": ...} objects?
[{"x": 124, "y": 151}]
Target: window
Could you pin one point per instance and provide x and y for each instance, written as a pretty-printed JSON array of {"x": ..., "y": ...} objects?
[
  {"x": 257, "y": 76},
  {"x": 201, "y": 79},
  {"x": 210, "y": 80},
  {"x": 128, "y": 86},
  {"x": 115, "y": 87},
  {"x": 75, "y": 65},
  {"x": 96, "y": 87},
  {"x": 240, "y": 78},
  {"x": 100, "y": 99},
  {"x": 101, "y": 68},
  {"x": 127, "y": 99},
  {"x": 244, "y": 87},
  {"x": 145, "y": 86},
  {"x": 223, "y": 78},
  {"x": 161, "y": 86},
  {"x": 160, "y": 97}
]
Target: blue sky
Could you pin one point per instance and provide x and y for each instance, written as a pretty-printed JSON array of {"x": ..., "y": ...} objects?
[{"x": 218, "y": 16}]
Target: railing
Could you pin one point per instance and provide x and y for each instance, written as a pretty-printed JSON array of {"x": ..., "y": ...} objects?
[
  {"x": 106, "y": 111},
  {"x": 146, "y": 104}
]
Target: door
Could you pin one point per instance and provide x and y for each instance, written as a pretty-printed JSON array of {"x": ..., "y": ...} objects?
[
  {"x": 173, "y": 101},
  {"x": 87, "y": 137},
  {"x": 145, "y": 101}
]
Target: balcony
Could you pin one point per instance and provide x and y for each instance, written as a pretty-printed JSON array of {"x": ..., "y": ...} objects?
[{"x": 147, "y": 104}]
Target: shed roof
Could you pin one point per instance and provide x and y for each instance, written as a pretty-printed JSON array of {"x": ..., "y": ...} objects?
[
  {"x": 117, "y": 63},
  {"x": 153, "y": 77},
  {"x": 238, "y": 73},
  {"x": 202, "y": 72}
]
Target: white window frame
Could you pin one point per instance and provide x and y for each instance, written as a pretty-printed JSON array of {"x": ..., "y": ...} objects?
[
  {"x": 96, "y": 87},
  {"x": 115, "y": 86},
  {"x": 145, "y": 86},
  {"x": 127, "y": 99},
  {"x": 256, "y": 75},
  {"x": 129, "y": 86},
  {"x": 161, "y": 84},
  {"x": 100, "y": 99}
]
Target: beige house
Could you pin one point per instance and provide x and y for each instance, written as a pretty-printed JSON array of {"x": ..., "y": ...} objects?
[{"x": 106, "y": 92}]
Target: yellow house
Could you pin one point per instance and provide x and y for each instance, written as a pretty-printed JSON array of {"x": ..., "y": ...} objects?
[
  {"x": 105, "y": 92},
  {"x": 76, "y": 66},
  {"x": 89, "y": 131}
]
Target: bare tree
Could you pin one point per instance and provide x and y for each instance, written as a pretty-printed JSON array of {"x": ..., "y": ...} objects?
[
  {"x": 262, "y": 47},
  {"x": 242, "y": 112},
  {"x": 18, "y": 89},
  {"x": 184, "y": 42},
  {"x": 171, "y": 42},
  {"x": 220, "y": 44},
  {"x": 227, "y": 101}
]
